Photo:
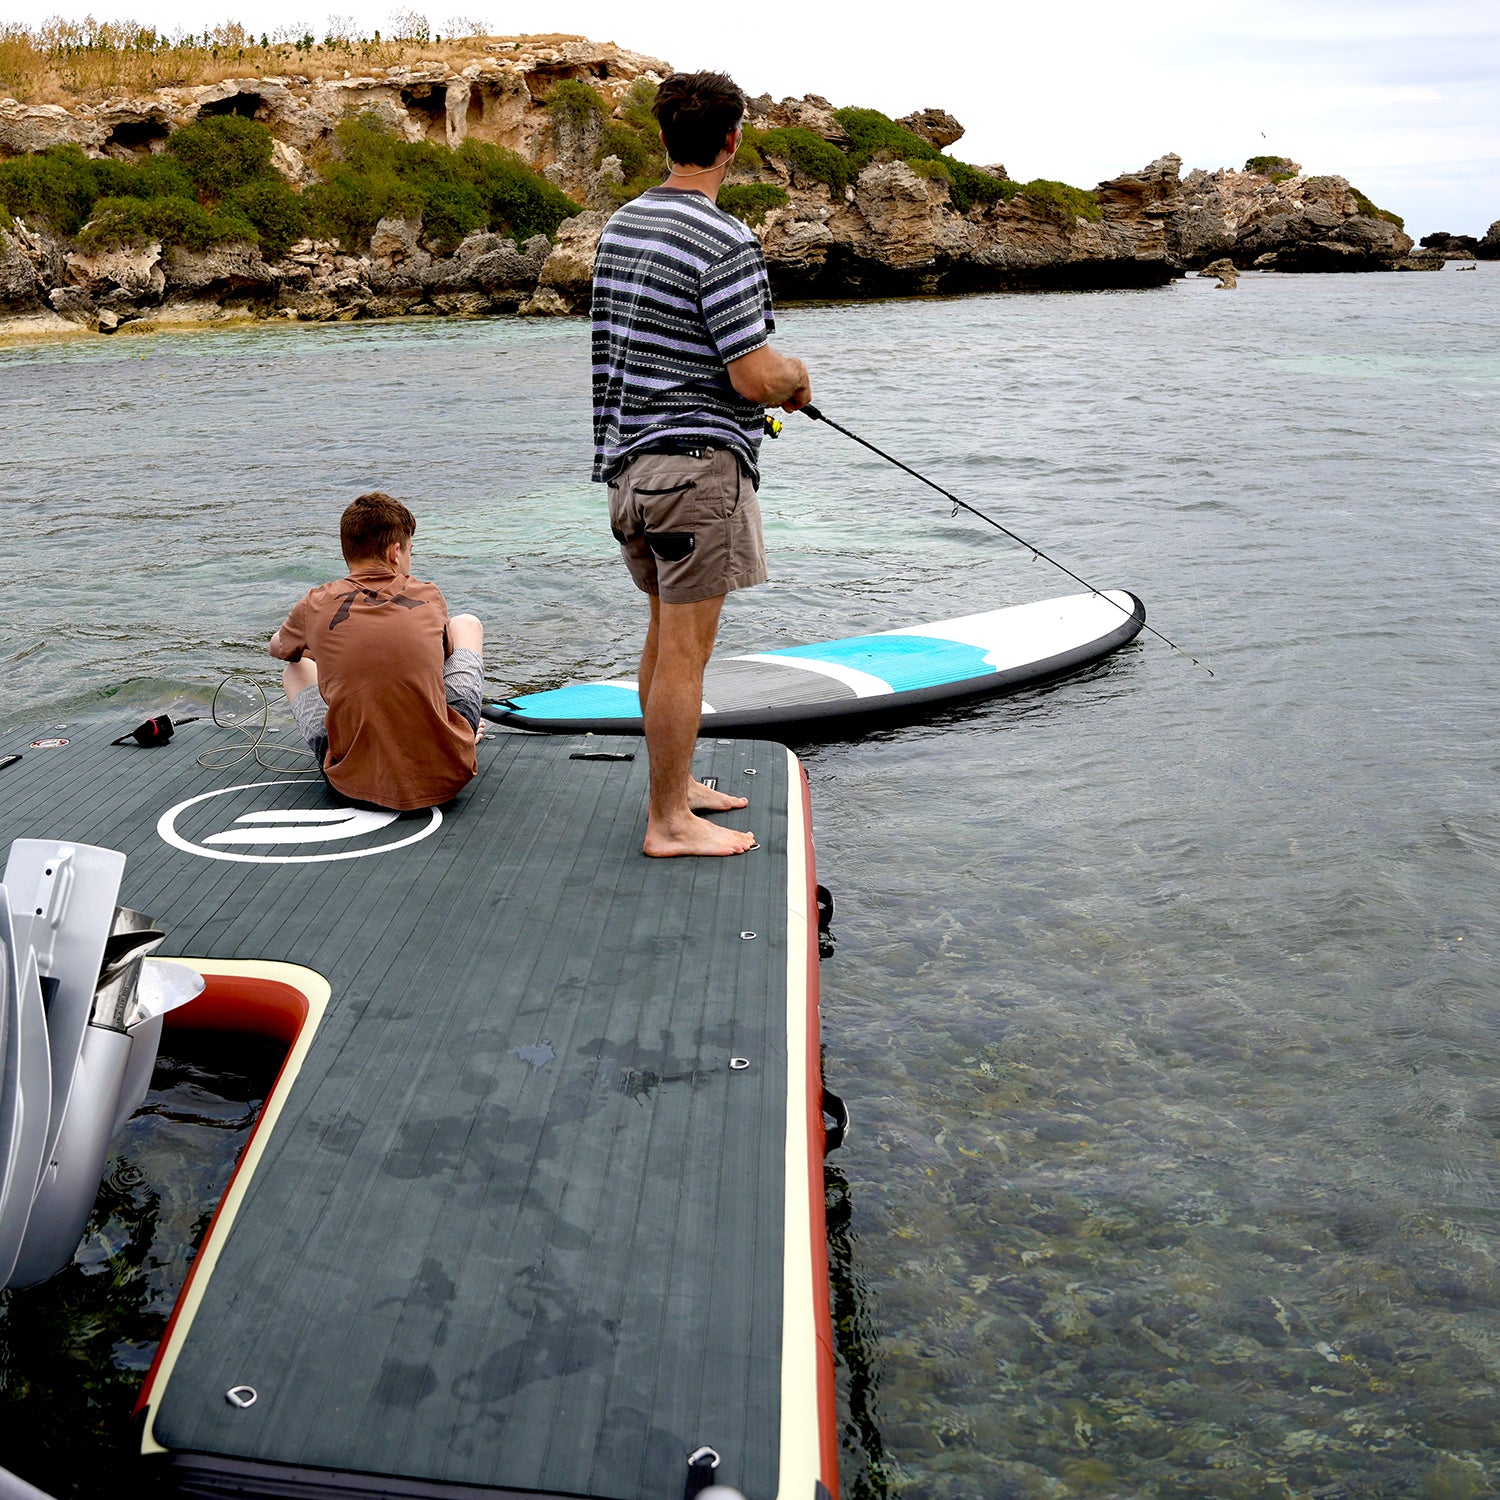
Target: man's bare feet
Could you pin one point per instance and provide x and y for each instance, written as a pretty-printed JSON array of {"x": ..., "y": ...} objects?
[
  {"x": 705, "y": 799},
  {"x": 695, "y": 835}
]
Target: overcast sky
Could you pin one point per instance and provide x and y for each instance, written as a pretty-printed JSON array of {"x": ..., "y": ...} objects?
[{"x": 1403, "y": 99}]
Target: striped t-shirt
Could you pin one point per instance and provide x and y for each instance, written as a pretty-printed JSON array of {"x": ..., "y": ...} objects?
[{"x": 680, "y": 290}]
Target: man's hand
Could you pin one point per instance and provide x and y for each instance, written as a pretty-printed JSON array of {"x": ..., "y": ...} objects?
[
  {"x": 803, "y": 394},
  {"x": 771, "y": 379}
]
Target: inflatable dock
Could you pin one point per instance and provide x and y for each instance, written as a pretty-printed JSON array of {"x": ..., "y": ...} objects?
[{"x": 535, "y": 1206}]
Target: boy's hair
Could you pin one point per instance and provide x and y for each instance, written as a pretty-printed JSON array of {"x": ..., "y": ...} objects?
[
  {"x": 371, "y": 524},
  {"x": 696, "y": 111}
]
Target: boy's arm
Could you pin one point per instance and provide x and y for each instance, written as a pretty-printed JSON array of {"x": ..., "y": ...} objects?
[{"x": 290, "y": 640}]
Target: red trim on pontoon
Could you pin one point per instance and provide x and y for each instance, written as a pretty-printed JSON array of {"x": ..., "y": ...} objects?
[
  {"x": 231, "y": 1002},
  {"x": 828, "y": 1429}
]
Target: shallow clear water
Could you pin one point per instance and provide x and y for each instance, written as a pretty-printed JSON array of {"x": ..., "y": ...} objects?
[{"x": 1165, "y": 1003}]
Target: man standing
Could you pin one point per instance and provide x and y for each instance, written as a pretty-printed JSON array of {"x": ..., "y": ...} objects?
[{"x": 683, "y": 373}]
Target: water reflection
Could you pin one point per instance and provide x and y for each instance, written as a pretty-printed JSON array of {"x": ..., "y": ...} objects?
[{"x": 74, "y": 1350}]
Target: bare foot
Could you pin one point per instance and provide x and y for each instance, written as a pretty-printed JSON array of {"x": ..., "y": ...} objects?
[
  {"x": 705, "y": 799},
  {"x": 696, "y": 836}
]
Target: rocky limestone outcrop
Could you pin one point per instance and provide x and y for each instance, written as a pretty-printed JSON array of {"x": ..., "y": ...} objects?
[
  {"x": 1488, "y": 247},
  {"x": 895, "y": 229},
  {"x": 497, "y": 98},
  {"x": 1450, "y": 246},
  {"x": 1274, "y": 222},
  {"x": 936, "y": 126}
]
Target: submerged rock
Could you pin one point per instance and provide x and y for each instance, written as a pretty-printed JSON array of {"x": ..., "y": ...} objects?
[{"x": 1224, "y": 269}]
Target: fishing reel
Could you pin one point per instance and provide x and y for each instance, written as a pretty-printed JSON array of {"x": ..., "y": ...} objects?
[{"x": 773, "y": 426}]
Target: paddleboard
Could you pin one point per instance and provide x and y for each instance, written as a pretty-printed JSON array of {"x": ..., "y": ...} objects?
[{"x": 814, "y": 688}]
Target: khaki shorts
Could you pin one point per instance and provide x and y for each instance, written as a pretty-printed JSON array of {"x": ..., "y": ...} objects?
[{"x": 689, "y": 528}]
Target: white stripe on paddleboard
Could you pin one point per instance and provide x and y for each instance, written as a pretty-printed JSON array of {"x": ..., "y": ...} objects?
[
  {"x": 1031, "y": 632},
  {"x": 633, "y": 686},
  {"x": 865, "y": 685}
]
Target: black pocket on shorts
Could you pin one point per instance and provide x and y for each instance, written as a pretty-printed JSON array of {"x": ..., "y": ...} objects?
[
  {"x": 671, "y": 546},
  {"x": 618, "y": 535},
  {"x": 671, "y": 489}
]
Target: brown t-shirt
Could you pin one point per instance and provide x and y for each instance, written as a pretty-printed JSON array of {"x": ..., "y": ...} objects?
[{"x": 380, "y": 639}]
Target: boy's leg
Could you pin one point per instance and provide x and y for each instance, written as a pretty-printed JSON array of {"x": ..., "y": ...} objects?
[
  {"x": 463, "y": 671},
  {"x": 299, "y": 681}
]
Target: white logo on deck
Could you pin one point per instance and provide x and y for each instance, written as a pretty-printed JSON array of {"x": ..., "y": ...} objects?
[{"x": 290, "y": 825}]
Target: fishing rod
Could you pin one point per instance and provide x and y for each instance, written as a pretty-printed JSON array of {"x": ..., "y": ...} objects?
[{"x": 1035, "y": 551}]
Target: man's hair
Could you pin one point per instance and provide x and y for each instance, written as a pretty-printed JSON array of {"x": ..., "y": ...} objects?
[
  {"x": 371, "y": 524},
  {"x": 696, "y": 111}
]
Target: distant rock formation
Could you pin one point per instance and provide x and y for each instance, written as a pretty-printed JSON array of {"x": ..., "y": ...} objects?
[
  {"x": 1225, "y": 270},
  {"x": 936, "y": 126},
  {"x": 1488, "y": 248},
  {"x": 895, "y": 226},
  {"x": 1273, "y": 218},
  {"x": 1450, "y": 246}
]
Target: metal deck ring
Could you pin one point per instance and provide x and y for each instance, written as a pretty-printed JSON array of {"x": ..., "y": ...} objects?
[
  {"x": 739, "y": 1064},
  {"x": 242, "y": 1396}
]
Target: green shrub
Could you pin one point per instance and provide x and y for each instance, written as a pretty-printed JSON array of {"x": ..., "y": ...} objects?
[
  {"x": 348, "y": 204},
  {"x": 277, "y": 214},
  {"x": 517, "y": 200},
  {"x": 1277, "y": 168},
  {"x": 641, "y": 158},
  {"x": 453, "y": 210},
  {"x": 176, "y": 221},
  {"x": 1060, "y": 202},
  {"x": 971, "y": 186},
  {"x": 573, "y": 103},
  {"x": 56, "y": 186},
  {"x": 155, "y": 177},
  {"x": 750, "y": 200},
  {"x": 222, "y": 153},
  {"x": 635, "y": 137},
  {"x": 216, "y": 183},
  {"x": 635, "y": 109},
  {"x": 1369, "y": 210},
  {"x": 477, "y": 186},
  {"x": 872, "y": 135},
  {"x": 807, "y": 153},
  {"x": 927, "y": 167},
  {"x": 870, "y": 131}
]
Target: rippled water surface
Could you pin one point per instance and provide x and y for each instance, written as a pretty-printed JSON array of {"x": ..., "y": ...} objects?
[{"x": 1165, "y": 1002}]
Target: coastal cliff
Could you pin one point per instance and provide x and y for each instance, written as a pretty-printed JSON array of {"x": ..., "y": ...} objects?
[{"x": 845, "y": 201}]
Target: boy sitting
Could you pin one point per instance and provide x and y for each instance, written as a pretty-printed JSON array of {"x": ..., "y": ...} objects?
[{"x": 384, "y": 686}]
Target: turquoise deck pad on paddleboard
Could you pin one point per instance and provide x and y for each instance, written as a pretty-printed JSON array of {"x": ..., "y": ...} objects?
[
  {"x": 806, "y": 689},
  {"x": 535, "y": 1208}
]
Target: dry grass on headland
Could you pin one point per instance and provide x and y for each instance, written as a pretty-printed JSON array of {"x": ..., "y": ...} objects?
[{"x": 71, "y": 62}]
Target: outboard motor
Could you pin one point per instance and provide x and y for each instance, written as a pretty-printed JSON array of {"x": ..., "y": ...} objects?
[{"x": 81, "y": 1004}]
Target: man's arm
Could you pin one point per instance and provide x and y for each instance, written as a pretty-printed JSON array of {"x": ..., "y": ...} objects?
[{"x": 771, "y": 379}]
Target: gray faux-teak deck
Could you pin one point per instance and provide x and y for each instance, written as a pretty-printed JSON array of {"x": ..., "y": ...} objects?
[{"x": 515, "y": 1222}]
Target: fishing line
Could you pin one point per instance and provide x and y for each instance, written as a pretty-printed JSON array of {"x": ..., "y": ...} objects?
[
  {"x": 252, "y": 743},
  {"x": 1035, "y": 551}
]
